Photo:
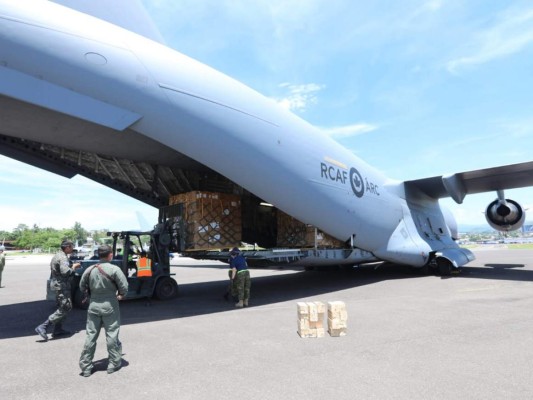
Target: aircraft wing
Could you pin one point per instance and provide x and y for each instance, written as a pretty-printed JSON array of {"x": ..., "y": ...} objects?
[
  {"x": 458, "y": 185},
  {"x": 128, "y": 14}
]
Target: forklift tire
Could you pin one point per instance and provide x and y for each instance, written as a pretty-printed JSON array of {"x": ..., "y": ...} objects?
[
  {"x": 166, "y": 288},
  {"x": 77, "y": 300}
]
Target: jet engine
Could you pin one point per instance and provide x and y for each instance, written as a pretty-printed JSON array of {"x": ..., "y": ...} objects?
[{"x": 505, "y": 215}]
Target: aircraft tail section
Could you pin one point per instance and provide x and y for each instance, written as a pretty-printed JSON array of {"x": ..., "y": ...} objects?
[{"x": 128, "y": 14}]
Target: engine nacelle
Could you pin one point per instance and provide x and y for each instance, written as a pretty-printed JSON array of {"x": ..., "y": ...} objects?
[{"x": 505, "y": 215}]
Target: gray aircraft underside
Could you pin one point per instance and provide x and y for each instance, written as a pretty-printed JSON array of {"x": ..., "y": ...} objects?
[{"x": 79, "y": 95}]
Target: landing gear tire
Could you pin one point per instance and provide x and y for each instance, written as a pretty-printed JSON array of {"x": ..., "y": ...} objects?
[
  {"x": 77, "y": 300},
  {"x": 166, "y": 288},
  {"x": 444, "y": 267}
]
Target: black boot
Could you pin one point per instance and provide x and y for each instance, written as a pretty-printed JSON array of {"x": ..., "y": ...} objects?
[
  {"x": 59, "y": 331},
  {"x": 41, "y": 330}
]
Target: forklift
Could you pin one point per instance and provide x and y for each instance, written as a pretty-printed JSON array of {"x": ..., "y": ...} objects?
[{"x": 157, "y": 244}]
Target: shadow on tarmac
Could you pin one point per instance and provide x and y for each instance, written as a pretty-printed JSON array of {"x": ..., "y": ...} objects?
[
  {"x": 18, "y": 320},
  {"x": 508, "y": 272},
  {"x": 102, "y": 364},
  {"x": 505, "y": 266}
]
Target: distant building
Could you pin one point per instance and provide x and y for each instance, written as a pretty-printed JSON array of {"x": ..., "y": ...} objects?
[{"x": 527, "y": 228}]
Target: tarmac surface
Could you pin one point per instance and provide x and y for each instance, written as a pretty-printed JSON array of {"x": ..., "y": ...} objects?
[{"x": 409, "y": 336}]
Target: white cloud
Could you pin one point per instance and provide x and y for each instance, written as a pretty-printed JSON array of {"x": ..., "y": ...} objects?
[
  {"x": 33, "y": 196},
  {"x": 345, "y": 131},
  {"x": 424, "y": 11},
  {"x": 299, "y": 97},
  {"x": 512, "y": 34},
  {"x": 517, "y": 129}
]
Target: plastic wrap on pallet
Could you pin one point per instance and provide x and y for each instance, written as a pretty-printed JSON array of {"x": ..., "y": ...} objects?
[
  {"x": 212, "y": 220},
  {"x": 294, "y": 233}
]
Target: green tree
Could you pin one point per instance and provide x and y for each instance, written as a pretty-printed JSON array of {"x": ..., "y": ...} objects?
[
  {"x": 17, "y": 232},
  {"x": 101, "y": 237},
  {"x": 52, "y": 240},
  {"x": 80, "y": 233},
  {"x": 25, "y": 239},
  {"x": 5, "y": 235}
]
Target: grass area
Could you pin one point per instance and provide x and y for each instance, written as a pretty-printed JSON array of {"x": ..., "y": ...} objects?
[
  {"x": 527, "y": 246},
  {"x": 512, "y": 246}
]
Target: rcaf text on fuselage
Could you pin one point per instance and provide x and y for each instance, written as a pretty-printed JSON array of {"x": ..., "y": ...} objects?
[{"x": 340, "y": 174}]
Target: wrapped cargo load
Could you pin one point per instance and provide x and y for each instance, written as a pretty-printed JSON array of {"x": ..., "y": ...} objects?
[
  {"x": 211, "y": 220},
  {"x": 294, "y": 233}
]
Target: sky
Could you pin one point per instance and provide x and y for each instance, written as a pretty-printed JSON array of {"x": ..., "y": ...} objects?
[{"x": 416, "y": 88}]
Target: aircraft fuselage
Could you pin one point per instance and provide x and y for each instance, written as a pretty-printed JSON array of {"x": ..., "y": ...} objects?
[{"x": 76, "y": 64}]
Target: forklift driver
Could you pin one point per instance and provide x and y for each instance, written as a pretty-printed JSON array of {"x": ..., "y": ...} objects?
[{"x": 144, "y": 266}]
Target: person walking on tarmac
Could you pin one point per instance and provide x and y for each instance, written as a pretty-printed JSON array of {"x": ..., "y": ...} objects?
[
  {"x": 240, "y": 277},
  {"x": 107, "y": 285},
  {"x": 61, "y": 270}
]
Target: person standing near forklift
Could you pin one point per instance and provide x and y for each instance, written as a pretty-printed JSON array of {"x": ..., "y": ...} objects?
[
  {"x": 240, "y": 277},
  {"x": 107, "y": 285},
  {"x": 144, "y": 265},
  {"x": 61, "y": 270}
]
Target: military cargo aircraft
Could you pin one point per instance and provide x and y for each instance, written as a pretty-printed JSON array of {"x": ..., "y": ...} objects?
[{"x": 87, "y": 90}]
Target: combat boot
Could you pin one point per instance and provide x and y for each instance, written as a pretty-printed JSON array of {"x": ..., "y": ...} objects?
[
  {"x": 41, "y": 330},
  {"x": 239, "y": 304},
  {"x": 59, "y": 331}
]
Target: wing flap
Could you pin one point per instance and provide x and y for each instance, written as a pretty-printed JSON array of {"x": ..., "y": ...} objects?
[
  {"x": 45, "y": 94},
  {"x": 458, "y": 185}
]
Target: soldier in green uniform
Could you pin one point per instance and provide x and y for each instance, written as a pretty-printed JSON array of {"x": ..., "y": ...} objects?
[
  {"x": 240, "y": 277},
  {"x": 2, "y": 263},
  {"x": 107, "y": 285},
  {"x": 61, "y": 270},
  {"x": 232, "y": 289}
]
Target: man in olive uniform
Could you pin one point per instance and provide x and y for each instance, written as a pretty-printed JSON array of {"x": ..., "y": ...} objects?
[
  {"x": 232, "y": 289},
  {"x": 2, "y": 263},
  {"x": 240, "y": 277},
  {"x": 107, "y": 285},
  {"x": 61, "y": 270}
]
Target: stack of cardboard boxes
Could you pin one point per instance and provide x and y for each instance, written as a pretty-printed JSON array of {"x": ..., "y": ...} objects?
[
  {"x": 294, "y": 233},
  {"x": 311, "y": 319},
  {"x": 337, "y": 318},
  {"x": 212, "y": 220}
]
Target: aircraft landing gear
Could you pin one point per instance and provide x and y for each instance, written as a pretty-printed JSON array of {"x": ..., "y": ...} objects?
[{"x": 445, "y": 267}]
